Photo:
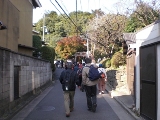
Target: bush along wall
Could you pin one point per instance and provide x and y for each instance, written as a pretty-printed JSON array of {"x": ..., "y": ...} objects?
[
  {"x": 48, "y": 53},
  {"x": 37, "y": 43},
  {"x": 118, "y": 59}
]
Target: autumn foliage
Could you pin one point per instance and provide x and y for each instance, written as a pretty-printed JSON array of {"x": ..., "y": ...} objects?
[{"x": 68, "y": 46}]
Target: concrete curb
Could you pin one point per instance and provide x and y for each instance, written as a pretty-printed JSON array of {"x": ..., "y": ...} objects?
[
  {"x": 122, "y": 104},
  {"x": 127, "y": 109},
  {"x": 27, "y": 109}
]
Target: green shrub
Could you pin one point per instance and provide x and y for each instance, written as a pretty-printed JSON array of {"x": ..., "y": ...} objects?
[
  {"x": 48, "y": 53},
  {"x": 99, "y": 54},
  {"x": 37, "y": 43},
  {"x": 118, "y": 59},
  {"x": 108, "y": 63}
]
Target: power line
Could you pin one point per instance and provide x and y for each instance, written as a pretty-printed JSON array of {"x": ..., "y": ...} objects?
[
  {"x": 57, "y": 9},
  {"x": 88, "y": 5},
  {"x": 66, "y": 13},
  {"x": 60, "y": 12},
  {"x": 95, "y": 3},
  {"x": 81, "y": 5},
  {"x": 76, "y": 25},
  {"x": 64, "y": 6},
  {"x": 76, "y": 18}
]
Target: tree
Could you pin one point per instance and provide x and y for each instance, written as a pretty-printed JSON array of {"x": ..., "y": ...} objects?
[
  {"x": 48, "y": 53},
  {"x": 106, "y": 32},
  {"x": 59, "y": 26},
  {"x": 68, "y": 46},
  {"x": 98, "y": 13},
  {"x": 37, "y": 43},
  {"x": 143, "y": 15}
]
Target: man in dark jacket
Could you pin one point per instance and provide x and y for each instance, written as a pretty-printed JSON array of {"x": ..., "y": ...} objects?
[{"x": 69, "y": 80}]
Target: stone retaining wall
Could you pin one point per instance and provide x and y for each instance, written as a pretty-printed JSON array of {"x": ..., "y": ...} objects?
[{"x": 117, "y": 79}]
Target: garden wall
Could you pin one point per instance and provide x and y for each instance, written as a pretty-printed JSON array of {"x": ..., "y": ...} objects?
[
  {"x": 20, "y": 77},
  {"x": 117, "y": 79}
]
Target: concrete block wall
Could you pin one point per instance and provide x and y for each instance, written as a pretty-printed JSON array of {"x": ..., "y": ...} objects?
[
  {"x": 33, "y": 74},
  {"x": 5, "y": 79}
]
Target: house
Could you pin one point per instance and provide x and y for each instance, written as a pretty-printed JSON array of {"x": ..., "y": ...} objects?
[
  {"x": 17, "y": 16},
  {"x": 147, "y": 69},
  {"x": 21, "y": 74}
]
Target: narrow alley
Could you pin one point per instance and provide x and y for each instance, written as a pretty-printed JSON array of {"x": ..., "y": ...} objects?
[{"x": 49, "y": 105}]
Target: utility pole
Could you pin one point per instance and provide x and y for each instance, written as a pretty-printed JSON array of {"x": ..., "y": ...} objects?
[
  {"x": 76, "y": 19},
  {"x": 43, "y": 26},
  {"x": 87, "y": 47}
]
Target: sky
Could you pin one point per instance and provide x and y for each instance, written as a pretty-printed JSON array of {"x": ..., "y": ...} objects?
[{"x": 70, "y": 6}]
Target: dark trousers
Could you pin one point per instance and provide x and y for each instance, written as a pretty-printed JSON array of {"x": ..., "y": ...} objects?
[{"x": 91, "y": 94}]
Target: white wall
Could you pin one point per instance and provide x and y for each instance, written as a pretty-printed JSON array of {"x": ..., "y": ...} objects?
[{"x": 148, "y": 35}]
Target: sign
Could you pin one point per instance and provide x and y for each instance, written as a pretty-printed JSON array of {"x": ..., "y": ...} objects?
[{"x": 83, "y": 54}]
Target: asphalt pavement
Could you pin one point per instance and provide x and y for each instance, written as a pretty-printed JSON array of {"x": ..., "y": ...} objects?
[{"x": 49, "y": 105}]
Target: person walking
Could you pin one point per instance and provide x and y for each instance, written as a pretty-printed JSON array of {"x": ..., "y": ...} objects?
[
  {"x": 102, "y": 80},
  {"x": 69, "y": 80},
  {"x": 80, "y": 64},
  {"x": 61, "y": 63},
  {"x": 76, "y": 67},
  {"x": 90, "y": 86}
]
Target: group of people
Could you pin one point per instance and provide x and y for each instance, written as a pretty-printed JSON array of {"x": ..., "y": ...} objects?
[
  {"x": 59, "y": 64},
  {"x": 70, "y": 79}
]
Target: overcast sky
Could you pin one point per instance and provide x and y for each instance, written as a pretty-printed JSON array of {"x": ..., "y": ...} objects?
[{"x": 70, "y": 6}]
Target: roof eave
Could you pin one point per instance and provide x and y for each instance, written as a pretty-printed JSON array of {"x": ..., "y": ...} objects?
[{"x": 36, "y": 3}]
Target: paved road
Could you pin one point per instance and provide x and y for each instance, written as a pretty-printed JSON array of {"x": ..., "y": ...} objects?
[{"x": 50, "y": 106}]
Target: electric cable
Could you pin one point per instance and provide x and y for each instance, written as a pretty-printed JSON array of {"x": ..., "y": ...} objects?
[
  {"x": 66, "y": 13},
  {"x": 88, "y": 5},
  {"x": 76, "y": 25},
  {"x": 81, "y": 5},
  {"x": 76, "y": 18},
  {"x": 64, "y": 6},
  {"x": 57, "y": 9}
]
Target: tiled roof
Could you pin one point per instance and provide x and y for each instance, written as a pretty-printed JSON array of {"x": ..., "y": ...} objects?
[{"x": 129, "y": 38}]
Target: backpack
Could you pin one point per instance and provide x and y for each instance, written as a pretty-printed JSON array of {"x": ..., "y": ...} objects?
[
  {"x": 67, "y": 80},
  {"x": 93, "y": 73},
  {"x": 79, "y": 72},
  {"x": 102, "y": 74}
]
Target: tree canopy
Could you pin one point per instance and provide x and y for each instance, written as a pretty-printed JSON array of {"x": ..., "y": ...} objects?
[
  {"x": 68, "y": 46},
  {"x": 143, "y": 15},
  {"x": 104, "y": 31}
]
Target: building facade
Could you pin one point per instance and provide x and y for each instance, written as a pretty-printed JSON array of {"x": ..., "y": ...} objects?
[
  {"x": 21, "y": 75},
  {"x": 17, "y": 16},
  {"x": 146, "y": 49}
]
